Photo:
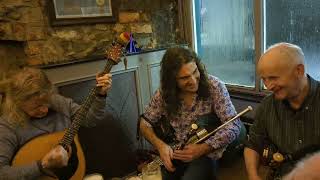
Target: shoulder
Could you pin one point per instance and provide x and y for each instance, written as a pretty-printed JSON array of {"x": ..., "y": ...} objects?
[
  {"x": 5, "y": 127},
  {"x": 63, "y": 104},
  {"x": 4, "y": 123},
  {"x": 317, "y": 84},
  {"x": 217, "y": 87},
  {"x": 266, "y": 104},
  {"x": 157, "y": 100},
  {"x": 314, "y": 87},
  {"x": 57, "y": 100},
  {"x": 215, "y": 82},
  {"x": 269, "y": 99},
  {"x": 158, "y": 95}
]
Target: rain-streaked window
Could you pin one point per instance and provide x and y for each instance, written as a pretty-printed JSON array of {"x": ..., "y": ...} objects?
[
  {"x": 225, "y": 39},
  {"x": 225, "y": 34},
  {"x": 297, "y": 22}
]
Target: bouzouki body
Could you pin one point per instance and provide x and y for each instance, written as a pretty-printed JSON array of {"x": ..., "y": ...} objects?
[{"x": 38, "y": 147}]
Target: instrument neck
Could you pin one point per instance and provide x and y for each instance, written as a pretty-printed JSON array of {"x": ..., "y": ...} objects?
[{"x": 80, "y": 115}]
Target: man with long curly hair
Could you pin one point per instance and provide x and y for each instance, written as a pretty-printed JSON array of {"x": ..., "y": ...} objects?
[{"x": 189, "y": 95}]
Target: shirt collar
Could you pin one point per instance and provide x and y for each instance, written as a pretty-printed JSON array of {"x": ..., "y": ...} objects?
[{"x": 313, "y": 84}]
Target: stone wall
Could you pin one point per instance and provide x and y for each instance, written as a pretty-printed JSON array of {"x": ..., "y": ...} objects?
[{"x": 26, "y": 36}]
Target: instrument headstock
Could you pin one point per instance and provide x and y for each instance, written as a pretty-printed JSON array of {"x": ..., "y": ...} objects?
[{"x": 114, "y": 53}]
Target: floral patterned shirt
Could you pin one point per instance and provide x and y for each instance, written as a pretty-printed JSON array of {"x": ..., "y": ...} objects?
[{"x": 218, "y": 103}]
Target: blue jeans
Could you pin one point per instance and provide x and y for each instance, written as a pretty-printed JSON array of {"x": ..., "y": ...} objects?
[{"x": 203, "y": 168}]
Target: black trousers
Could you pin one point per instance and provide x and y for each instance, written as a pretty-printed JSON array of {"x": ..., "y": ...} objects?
[{"x": 203, "y": 168}]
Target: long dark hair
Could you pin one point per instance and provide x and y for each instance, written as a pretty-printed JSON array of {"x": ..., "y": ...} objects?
[{"x": 171, "y": 63}]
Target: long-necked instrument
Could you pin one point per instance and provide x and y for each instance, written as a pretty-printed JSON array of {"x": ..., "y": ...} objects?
[
  {"x": 201, "y": 137},
  {"x": 30, "y": 152}
]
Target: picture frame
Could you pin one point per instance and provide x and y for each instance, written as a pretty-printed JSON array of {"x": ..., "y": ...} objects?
[{"x": 71, "y": 12}]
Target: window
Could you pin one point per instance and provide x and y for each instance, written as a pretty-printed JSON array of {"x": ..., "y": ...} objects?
[
  {"x": 225, "y": 39},
  {"x": 229, "y": 34},
  {"x": 297, "y": 22}
]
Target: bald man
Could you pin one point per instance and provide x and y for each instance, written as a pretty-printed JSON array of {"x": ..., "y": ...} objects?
[{"x": 289, "y": 118}]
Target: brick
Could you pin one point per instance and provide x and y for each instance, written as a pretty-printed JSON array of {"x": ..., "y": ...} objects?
[
  {"x": 119, "y": 28},
  {"x": 33, "y": 48},
  {"x": 68, "y": 35},
  {"x": 145, "y": 17},
  {"x": 34, "y": 60},
  {"x": 19, "y": 31},
  {"x": 35, "y": 33},
  {"x": 34, "y": 15},
  {"x": 141, "y": 28},
  {"x": 14, "y": 2},
  {"x": 5, "y": 31},
  {"x": 14, "y": 15},
  {"x": 128, "y": 17},
  {"x": 32, "y": 3},
  {"x": 102, "y": 27}
]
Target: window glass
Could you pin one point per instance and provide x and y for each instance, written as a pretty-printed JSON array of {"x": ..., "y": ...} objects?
[
  {"x": 298, "y": 22},
  {"x": 225, "y": 39}
]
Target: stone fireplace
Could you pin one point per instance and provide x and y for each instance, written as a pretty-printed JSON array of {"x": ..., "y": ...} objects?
[{"x": 153, "y": 24}]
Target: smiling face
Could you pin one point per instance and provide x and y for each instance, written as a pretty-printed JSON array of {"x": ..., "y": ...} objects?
[
  {"x": 281, "y": 73},
  {"x": 188, "y": 78}
]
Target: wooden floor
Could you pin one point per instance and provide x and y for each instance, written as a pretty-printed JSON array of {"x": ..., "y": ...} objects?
[
  {"x": 232, "y": 170},
  {"x": 235, "y": 169}
]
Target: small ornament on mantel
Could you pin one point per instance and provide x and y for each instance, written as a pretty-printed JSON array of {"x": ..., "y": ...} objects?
[{"x": 127, "y": 40}]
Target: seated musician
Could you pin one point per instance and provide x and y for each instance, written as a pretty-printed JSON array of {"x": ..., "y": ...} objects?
[
  {"x": 31, "y": 108},
  {"x": 188, "y": 93},
  {"x": 288, "y": 119}
]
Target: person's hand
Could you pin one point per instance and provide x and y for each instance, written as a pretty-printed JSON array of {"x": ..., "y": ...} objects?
[
  {"x": 56, "y": 158},
  {"x": 104, "y": 82},
  {"x": 166, "y": 154},
  {"x": 191, "y": 152}
]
